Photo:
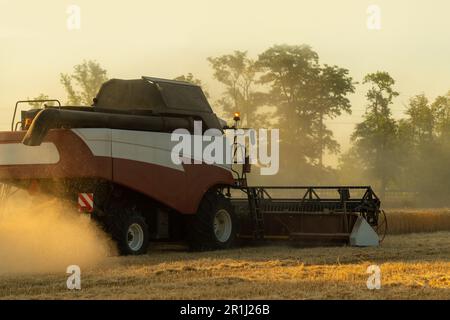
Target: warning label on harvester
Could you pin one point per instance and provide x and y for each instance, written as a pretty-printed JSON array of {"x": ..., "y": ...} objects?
[{"x": 85, "y": 202}]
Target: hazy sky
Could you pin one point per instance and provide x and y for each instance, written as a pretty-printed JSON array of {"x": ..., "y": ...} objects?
[{"x": 168, "y": 38}]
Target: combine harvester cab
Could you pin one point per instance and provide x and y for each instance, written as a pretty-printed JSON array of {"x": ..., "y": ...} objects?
[{"x": 114, "y": 160}]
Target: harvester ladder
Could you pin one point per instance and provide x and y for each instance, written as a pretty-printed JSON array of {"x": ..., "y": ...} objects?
[{"x": 256, "y": 213}]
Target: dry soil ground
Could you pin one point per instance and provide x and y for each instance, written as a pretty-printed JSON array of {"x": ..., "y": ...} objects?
[{"x": 414, "y": 266}]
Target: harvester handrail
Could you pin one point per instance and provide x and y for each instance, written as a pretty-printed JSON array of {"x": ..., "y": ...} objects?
[
  {"x": 311, "y": 187},
  {"x": 28, "y": 101},
  {"x": 310, "y": 192}
]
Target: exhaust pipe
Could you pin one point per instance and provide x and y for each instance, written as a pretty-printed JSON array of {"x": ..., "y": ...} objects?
[{"x": 61, "y": 118}]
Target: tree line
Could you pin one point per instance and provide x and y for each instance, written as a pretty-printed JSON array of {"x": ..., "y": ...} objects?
[
  {"x": 411, "y": 154},
  {"x": 288, "y": 87}
]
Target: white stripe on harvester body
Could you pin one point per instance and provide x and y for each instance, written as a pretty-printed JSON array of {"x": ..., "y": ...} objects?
[
  {"x": 143, "y": 146},
  {"x": 97, "y": 140},
  {"x": 20, "y": 154},
  {"x": 148, "y": 147}
]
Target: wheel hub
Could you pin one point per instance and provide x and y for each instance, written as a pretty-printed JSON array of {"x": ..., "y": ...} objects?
[
  {"x": 222, "y": 225},
  {"x": 135, "y": 237}
]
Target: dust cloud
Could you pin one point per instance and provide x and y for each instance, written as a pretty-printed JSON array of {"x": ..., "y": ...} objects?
[{"x": 43, "y": 235}]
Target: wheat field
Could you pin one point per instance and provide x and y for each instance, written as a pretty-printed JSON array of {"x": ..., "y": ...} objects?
[
  {"x": 415, "y": 266},
  {"x": 401, "y": 221}
]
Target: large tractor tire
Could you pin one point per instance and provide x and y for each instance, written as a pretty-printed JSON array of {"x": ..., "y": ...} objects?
[
  {"x": 135, "y": 236},
  {"x": 130, "y": 231},
  {"x": 124, "y": 217},
  {"x": 215, "y": 224}
]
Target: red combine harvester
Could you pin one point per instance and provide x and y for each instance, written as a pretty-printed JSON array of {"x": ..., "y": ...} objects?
[{"x": 114, "y": 160}]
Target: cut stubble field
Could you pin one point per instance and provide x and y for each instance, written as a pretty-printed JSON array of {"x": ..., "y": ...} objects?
[{"x": 414, "y": 266}]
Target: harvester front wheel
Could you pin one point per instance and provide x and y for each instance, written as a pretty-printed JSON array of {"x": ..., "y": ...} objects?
[{"x": 215, "y": 225}]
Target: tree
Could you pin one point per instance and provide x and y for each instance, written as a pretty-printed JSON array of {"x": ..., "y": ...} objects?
[
  {"x": 425, "y": 156},
  {"x": 375, "y": 137},
  {"x": 416, "y": 142},
  {"x": 306, "y": 94},
  {"x": 421, "y": 119},
  {"x": 440, "y": 177},
  {"x": 191, "y": 79},
  {"x": 333, "y": 86},
  {"x": 288, "y": 71},
  {"x": 82, "y": 86},
  {"x": 411, "y": 154},
  {"x": 237, "y": 73},
  {"x": 441, "y": 112}
]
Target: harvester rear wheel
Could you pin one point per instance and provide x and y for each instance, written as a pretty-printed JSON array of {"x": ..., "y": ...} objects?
[
  {"x": 131, "y": 233},
  {"x": 215, "y": 225}
]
